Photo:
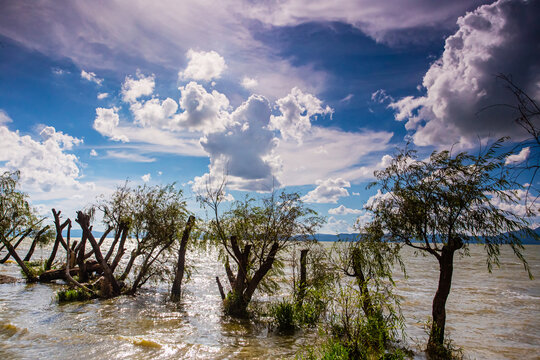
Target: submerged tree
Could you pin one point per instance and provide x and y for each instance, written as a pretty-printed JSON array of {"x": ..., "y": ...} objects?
[
  {"x": 252, "y": 235},
  {"x": 441, "y": 205}
]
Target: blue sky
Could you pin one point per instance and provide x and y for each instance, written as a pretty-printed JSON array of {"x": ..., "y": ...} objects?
[{"x": 310, "y": 96}]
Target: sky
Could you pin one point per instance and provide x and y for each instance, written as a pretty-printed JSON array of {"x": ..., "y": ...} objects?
[{"x": 301, "y": 95}]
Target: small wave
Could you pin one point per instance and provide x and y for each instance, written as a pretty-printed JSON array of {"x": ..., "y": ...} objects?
[
  {"x": 142, "y": 342},
  {"x": 11, "y": 330}
]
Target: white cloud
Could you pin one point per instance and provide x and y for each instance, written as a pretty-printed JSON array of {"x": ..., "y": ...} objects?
[
  {"x": 4, "y": 118},
  {"x": 335, "y": 226},
  {"x": 249, "y": 83},
  {"x": 44, "y": 164},
  {"x": 296, "y": 110},
  {"x": 518, "y": 158},
  {"x": 347, "y": 98},
  {"x": 154, "y": 112},
  {"x": 202, "y": 111},
  {"x": 328, "y": 152},
  {"x": 380, "y": 96},
  {"x": 102, "y": 95},
  {"x": 106, "y": 123},
  {"x": 328, "y": 191},
  {"x": 343, "y": 210},
  {"x": 146, "y": 177},
  {"x": 244, "y": 150},
  {"x": 203, "y": 65},
  {"x": 93, "y": 152},
  {"x": 90, "y": 76},
  {"x": 129, "y": 156},
  {"x": 132, "y": 89},
  {"x": 462, "y": 84},
  {"x": 385, "y": 21},
  {"x": 63, "y": 140}
]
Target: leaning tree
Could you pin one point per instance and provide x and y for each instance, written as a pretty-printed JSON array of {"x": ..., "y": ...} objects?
[
  {"x": 18, "y": 221},
  {"x": 252, "y": 237},
  {"x": 440, "y": 205}
]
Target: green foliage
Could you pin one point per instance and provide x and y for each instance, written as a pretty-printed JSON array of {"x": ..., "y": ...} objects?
[
  {"x": 71, "y": 295},
  {"x": 364, "y": 337},
  {"x": 284, "y": 317},
  {"x": 450, "y": 200},
  {"x": 16, "y": 214},
  {"x": 329, "y": 350}
]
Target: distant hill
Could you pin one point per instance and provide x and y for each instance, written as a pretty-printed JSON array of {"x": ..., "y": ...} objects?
[
  {"x": 77, "y": 233},
  {"x": 525, "y": 240}
]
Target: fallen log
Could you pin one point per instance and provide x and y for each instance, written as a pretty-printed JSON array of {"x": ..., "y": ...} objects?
[{"x": 60, "y": 274}]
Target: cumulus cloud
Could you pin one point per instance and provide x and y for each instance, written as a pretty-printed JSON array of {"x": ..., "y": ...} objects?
[
  {"x": 93, "y": 152},
  {"x": 244, "y": 150},
  {"x": 202, "y": 111},
  {"x": 106, "y": 123},
  {"x": 296, "y": 109},
  {"x": 328, "y": 191},
  {"x": 132, "y": 89},
  {"x": 90, "y": 76},
  {"x": 102, "y": 96},
  {"x": 518, "y": 158},
  {"x": 461, "y": 85},
  {"x": 343, "y": 210},
  {"x": 146, "y": 177},
  {"x": 63, "y": 140},
  {"x": 154, "y": 112},
  {"x": 203, "y": 65},
  {"x": 44, "y": 164}
]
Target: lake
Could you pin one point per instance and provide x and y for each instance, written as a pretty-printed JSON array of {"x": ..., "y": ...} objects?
[{"x": 492, "y": 316}]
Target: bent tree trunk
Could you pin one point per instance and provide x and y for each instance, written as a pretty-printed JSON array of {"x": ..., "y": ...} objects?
[
  {"x": 84, "y": 221},
  {"x": 243, "y": 287},
  {"x": 30, "y": 276},
  {"x": 179, "y": 274},
  {"x": 446, "y": 268}
]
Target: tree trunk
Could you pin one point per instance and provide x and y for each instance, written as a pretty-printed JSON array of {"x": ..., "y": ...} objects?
[
  {"x": 220, "y": 287},
  {"x": 30, "y": 252},
  {"x": 121, "y": 248},
  {"x": 27, "y": 272},
  {"x": 2, "y": 261},
  {"x": 177, "y": 283},
  {"x": 303, "y": 277},
  {"x": 446, "y": 268},
  {"x": 367, "y": 304},
  {"x": 60, "y": 274},
  {"x": 59, "y": 229},
  {"x": 84, "y": 222}
]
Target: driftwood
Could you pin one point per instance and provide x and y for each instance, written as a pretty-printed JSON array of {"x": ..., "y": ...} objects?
[{"x": 30, "y": 252}]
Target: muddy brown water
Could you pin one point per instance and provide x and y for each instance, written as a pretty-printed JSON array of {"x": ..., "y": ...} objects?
[{"x": 492, "y": 316}]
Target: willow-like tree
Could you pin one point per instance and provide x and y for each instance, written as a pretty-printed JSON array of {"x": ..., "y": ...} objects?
[
  {"x": 253, "y": 236},
  {"x": 18, "y": 220},
  {"x": 441, "y": 205}
]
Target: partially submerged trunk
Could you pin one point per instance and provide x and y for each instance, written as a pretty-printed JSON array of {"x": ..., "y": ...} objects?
[
  {"x": 446, "y": 269},
  {"x": 84, "y": 221},
  {"x": 29, "y": 274},
  {"x": 242, "y": 285},
  {"x": 14, "y": 247},
  {"x": 367, "y": 304},
  {"x": 180, "y": 264},
  {"x": 303, "y": 277}
]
